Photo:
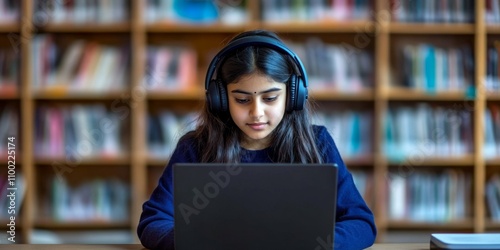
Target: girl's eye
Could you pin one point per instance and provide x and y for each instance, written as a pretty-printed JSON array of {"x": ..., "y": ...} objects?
[
  {"x": 270, "y": 99},
  {"x": 238, "y": 100}
]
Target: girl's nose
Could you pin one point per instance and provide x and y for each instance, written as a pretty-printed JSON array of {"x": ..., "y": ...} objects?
[{"x": 257, "y": 109}]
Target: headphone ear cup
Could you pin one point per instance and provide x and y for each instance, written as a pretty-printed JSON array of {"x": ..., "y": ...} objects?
[
  {"x": 302, "y": 94},
  {"x": 292, "y": 87},
  {"x": 223, "y": 97},
  {"x": 213, "y": 97}
]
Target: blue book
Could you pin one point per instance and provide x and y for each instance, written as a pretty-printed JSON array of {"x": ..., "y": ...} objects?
[
  {"x": 430, "y": 68},
  {"x": 196, "y": 11}
]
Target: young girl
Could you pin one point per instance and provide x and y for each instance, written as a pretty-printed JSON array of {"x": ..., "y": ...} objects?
[{"x": 256, "y": 111}]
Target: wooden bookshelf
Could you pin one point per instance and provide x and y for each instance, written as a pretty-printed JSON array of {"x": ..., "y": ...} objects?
[
  {"x": 377, "y": 36},
  {"x": 425, "y": 29},
  {"x": 165, "y": 27},
  {"x": 56, "y": 225},
  {"x": 9, "y": 27},
  {"x": 86, "y": 28},
  {"x": 318, "y": 27},
  {"x": 466, "y": 224},
  {"x": 455, "y": 161},
  {"x": 400, "y": 94},
  {"x": 325, "y": 95}
]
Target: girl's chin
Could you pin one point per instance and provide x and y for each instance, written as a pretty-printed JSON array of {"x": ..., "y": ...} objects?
[{"x": 257, "y": 141}]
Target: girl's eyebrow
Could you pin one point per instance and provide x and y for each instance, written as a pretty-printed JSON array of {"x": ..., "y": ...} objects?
[{"x": 249, "y": 93}]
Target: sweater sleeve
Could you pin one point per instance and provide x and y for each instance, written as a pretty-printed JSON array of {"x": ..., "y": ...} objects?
[
  {"x": 355, "y": 227},
  {"x": 156, "y": 224}
]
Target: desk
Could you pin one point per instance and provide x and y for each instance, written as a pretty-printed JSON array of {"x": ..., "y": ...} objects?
[
  {"x": 401, "y": 246},
  {"x": 411, "y": 246}
]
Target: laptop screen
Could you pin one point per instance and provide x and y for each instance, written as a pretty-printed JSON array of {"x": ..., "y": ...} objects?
[{"x": 254, "y": 206}]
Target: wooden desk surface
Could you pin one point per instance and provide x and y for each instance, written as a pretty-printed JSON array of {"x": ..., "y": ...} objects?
[{"x": 410, "y": 246}]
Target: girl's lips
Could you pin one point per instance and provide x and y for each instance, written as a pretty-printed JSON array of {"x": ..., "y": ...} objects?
[{"x": 257, "y": 126}]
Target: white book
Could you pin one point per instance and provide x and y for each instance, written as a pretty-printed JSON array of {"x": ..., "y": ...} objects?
[
  {"x": 405, "y": 118},
  {"x": 465, "y": 241},
  {"x": 339, "y": 68},
  {"x": 397, "y": 197},
  {"x": 104, "y": 70},
  {"x": 489, "y": 147},
  {"x": 70, "y": 62},
  {"x": 112, "y": 143},
  {"x": 421, "y": 130},
  {"x": 81, "y": 122}
]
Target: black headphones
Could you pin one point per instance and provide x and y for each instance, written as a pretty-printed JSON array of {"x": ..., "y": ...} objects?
[{"x": 215, "y": 89}]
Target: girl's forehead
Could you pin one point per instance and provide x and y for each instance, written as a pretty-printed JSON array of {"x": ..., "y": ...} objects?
[{"x": 255, "y": 81}]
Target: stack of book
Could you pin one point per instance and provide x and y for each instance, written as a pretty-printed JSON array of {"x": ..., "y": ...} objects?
[
  {"x": 83, "y": 66},
  {"x": 434, "y": 69},
  {"x": 427, "y": 131},
  {"x": 170, "y": 68},
  {"x": 316, "y": 10},
  {"x": 165, "y": 129},
  {"x": 82, "y": 11},
  {"x": 197, "y": 11},
  {"x": 78, "y": 131},
  {"x": 94, "y": 200},
  {"x": 351, "y": 130},
  {"x": 340, "y": 67},
  {"x": 430, "y": 196},
  {"x": 443, "y": 11}
]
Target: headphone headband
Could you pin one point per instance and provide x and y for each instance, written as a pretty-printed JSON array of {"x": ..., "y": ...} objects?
[{"x": 256, "y": 40}]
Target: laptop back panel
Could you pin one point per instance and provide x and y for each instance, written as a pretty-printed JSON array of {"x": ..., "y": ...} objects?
[{"x": 254, "y": 206}]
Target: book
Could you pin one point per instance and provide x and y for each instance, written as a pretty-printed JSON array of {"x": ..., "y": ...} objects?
[{"x": 465, "y": 241}]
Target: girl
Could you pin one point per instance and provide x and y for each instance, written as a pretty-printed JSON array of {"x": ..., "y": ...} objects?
[{"x": 256, "y": 111}]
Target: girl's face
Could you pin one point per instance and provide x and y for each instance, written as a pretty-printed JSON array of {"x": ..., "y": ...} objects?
[{"x": 257, "y": 105}]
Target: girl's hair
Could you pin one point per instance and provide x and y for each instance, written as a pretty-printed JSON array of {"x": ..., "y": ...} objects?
[{"x": 217, "y": 138}]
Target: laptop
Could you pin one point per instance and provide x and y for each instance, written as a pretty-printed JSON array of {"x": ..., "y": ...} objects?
[
  {"x": 465, "y": 241},
  {"x": 254, "y": 206}
]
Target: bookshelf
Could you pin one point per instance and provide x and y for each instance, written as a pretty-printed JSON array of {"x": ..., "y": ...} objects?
[{"x": 380, "y": 91}]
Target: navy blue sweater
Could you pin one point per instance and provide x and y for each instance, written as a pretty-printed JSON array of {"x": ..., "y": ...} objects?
[{"x": 354, "y": 229}]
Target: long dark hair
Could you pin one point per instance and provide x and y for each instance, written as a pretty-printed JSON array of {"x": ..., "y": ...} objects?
[{"x": 217, "y": 138}]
